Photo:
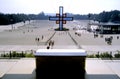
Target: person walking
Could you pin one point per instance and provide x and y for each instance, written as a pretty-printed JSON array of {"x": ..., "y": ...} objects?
[
  {"x": 52, "y": 44},
  {"x": 42, "y": 37}
]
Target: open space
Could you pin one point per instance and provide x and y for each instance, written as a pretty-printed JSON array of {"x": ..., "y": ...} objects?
[{"x": 39, "y": 33}]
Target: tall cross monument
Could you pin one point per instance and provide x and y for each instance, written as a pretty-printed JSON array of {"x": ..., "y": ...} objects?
[{"x": 60, "y": 18}]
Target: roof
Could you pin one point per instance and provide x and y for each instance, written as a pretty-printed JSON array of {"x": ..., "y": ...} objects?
[{"x": 106, "y": 24}]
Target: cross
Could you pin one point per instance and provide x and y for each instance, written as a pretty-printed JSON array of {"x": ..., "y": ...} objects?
[{"x": 60, "y": 18}]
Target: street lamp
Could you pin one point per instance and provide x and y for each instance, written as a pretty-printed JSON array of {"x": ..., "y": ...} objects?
[
  {"x": 11, "y": 20},
  {"x": 89, "y": 27}
]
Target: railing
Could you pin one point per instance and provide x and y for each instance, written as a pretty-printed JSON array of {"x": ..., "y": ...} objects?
[
  {"x": 103, "y": 54},
  {"x": 29, "y": 53},
  {"x": 16, "y": 54},
  {"x": 74, "y": 40}
]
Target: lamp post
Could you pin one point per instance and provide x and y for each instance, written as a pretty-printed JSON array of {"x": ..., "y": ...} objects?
[
  {"x": 29, "y": 19},
  {"x": 24, "y": 22},
  {"x": 88, "y": 28},
  {"x": 11, "y": 20}
]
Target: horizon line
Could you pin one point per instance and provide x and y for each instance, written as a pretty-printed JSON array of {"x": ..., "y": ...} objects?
[{"x": 50, "y": 13}]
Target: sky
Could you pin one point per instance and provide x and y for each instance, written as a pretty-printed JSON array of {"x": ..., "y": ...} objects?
[{"x": 52, "y": 6}]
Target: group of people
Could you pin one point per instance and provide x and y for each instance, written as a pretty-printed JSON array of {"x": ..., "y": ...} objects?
[
  {"x": 37, "y": 39},
  {"x": 50, "y": 44},
  {"x": 109, "y": 40},
  {"x": 28, "y": 31}
]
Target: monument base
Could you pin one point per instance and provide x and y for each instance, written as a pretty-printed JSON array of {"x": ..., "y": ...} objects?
[
  {"x": 64, "y": 29},
  {"x": 59, "y": 64}
]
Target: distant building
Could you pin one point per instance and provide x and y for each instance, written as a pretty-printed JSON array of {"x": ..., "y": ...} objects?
[{"x": 107, "y": 28}]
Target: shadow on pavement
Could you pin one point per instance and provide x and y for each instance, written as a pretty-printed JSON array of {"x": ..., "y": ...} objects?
[
  {"x": 20, "y": 76},
  {"x": 102, "y": 76}
]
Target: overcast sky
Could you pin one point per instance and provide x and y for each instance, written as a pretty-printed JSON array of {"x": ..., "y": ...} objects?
[{"x": 52, "y": 6}]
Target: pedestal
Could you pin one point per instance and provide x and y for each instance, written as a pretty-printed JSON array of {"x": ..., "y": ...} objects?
[{"x": 60, "y": 63}]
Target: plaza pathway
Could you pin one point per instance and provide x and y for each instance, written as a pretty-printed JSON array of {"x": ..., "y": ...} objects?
[{"x": 62, "y": 39}]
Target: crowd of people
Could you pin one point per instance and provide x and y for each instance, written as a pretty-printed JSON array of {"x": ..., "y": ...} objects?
[
  {"x": 50, "y": 44},
  {"x": 37, "y": 39}
]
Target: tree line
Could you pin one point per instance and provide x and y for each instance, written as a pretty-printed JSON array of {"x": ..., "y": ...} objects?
[
  {"x": 111, "y": 16},
  {"x": 6, "y": 19}
]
